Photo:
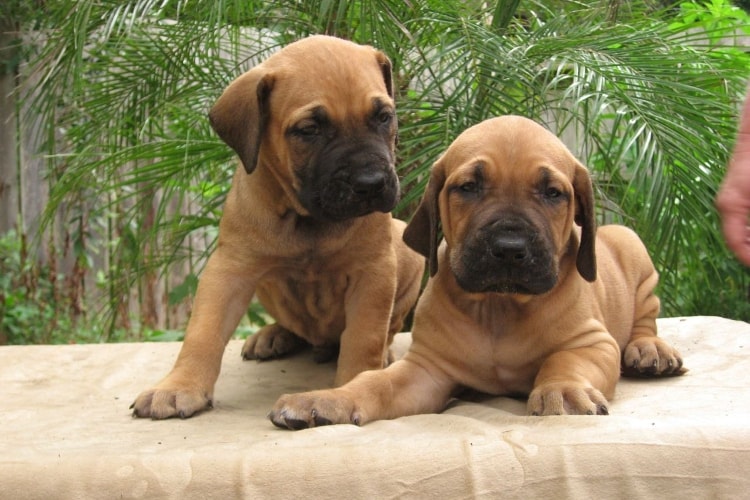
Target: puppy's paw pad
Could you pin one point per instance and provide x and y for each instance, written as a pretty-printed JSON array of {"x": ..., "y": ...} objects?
[
  {"x": 566, "y": 399},
  {"x": 159, "y": 404},
  {"x": 272, "y": 341},
  {"x": 651, "y": 357},
  {"x": 312, "y": 409}
]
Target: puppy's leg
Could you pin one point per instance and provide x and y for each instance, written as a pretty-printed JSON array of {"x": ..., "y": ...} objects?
[
  {"x": 364, "y": 341},
  {"x": 577, "y": 381},
  {"x": 404, "y": 388},
  {"x": 223, "y": 295},
  {"x": 646, "y": 354},
  {"x": 271, "y": 341}
]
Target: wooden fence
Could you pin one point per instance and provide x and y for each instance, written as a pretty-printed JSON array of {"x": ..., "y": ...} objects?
[{"x": 24, "y": 193}]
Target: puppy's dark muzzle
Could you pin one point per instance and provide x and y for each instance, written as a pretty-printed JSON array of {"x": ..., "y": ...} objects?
[
  {"x": 509, "y": 247},
  {"x": 353, "y": 192},
  {"x": 351, "y": 178},
  {"x": 369, "y": 184},
  {"x": 507, "y": 257}
]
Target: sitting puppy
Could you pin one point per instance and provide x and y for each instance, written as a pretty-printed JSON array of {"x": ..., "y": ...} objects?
[
  {"x": 306, "y": 224},
  {"x": 525, "y": 296}
]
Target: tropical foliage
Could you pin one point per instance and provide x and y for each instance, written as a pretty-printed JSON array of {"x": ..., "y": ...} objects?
[{"x": 646, "y": 94}]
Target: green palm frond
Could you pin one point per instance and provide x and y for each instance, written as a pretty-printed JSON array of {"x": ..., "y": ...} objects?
[{"x": 648, "y": 102}]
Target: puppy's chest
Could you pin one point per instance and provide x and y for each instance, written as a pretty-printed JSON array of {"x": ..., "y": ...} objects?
[
  {"x": 515, "y": 361},
  {"x": 309, "y": 283},
  {"x": 495, "y": 368},
  {"x": 308, "y": 300},
  {"x": 510, "y": 354}
]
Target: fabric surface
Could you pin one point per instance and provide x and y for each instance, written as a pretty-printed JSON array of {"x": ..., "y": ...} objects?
[{"x": 67, "y": 433}]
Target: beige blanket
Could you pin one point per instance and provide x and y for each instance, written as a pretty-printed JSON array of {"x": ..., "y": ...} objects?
[{"x": 67, "y": 433}]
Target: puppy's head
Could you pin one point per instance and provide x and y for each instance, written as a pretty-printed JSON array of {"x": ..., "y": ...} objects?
[
  {"x": 507, "y": 194},
  {"x": 320, "y": 114}
]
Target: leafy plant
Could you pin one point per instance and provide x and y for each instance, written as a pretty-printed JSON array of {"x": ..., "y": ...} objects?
[
  {"x": 33, "y": 307},
  {"x": 646, "y": 96}
]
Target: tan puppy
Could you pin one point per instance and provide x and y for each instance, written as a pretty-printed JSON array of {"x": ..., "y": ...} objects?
[
  {"x": 519, "y": 302},
  {"x": 306, "y": 223}
]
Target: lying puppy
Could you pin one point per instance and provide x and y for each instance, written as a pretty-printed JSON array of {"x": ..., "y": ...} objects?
[
  {"x": 521, "y": 300},
  {"x": 306, "y": 224}
]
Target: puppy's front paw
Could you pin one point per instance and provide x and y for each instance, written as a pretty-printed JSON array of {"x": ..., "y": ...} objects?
[
  {"x": 651, "y": 357},
  {"x": 566, "y": 398},
  {"x": 166, "y": 401},
  {"x": 313, "y": 409},
  {"x": 271, "y": 341}
]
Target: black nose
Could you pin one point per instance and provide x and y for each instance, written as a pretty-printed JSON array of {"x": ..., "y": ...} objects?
[
  {"x": 509, "y": 247},
  {"x": 369, "y": 183}
]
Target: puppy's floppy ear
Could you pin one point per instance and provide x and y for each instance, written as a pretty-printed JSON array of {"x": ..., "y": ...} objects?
[
  {"x": 584, "y": 217},
  {"x": 240, "y": 116},
  {"x": 422, "y": 234},
  {"x": 387, "y": 69}
]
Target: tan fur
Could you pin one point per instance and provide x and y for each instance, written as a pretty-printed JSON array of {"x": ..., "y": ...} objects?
[
  {"x": 563, "y": 347},
  {"x": 350, "y": 282}
]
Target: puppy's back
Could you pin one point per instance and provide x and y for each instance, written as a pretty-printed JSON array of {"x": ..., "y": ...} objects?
[
  {"x": 626, "y": 247},
  {"x": 626, "y": 282}
]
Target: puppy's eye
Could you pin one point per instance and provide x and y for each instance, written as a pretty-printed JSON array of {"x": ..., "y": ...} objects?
[
  {"x": 307, "y": 131},
  {"x": 384, "y": 117},
  {"x": 552, "y": 193},
  {"x": 469, "y": 187}
]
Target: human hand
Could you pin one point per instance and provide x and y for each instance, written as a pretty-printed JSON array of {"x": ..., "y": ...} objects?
[{"x": 733, "y": 199}]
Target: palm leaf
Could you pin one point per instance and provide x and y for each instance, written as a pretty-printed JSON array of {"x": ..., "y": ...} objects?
[{"x": 648, "y": 103}]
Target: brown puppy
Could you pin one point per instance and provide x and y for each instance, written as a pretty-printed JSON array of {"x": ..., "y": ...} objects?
[
  {"x": 521, "y": 300},
  {"x": 306, "y": 223}
]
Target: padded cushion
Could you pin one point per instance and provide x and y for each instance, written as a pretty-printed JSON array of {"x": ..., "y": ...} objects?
[{"x": 67, "y": 432}]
